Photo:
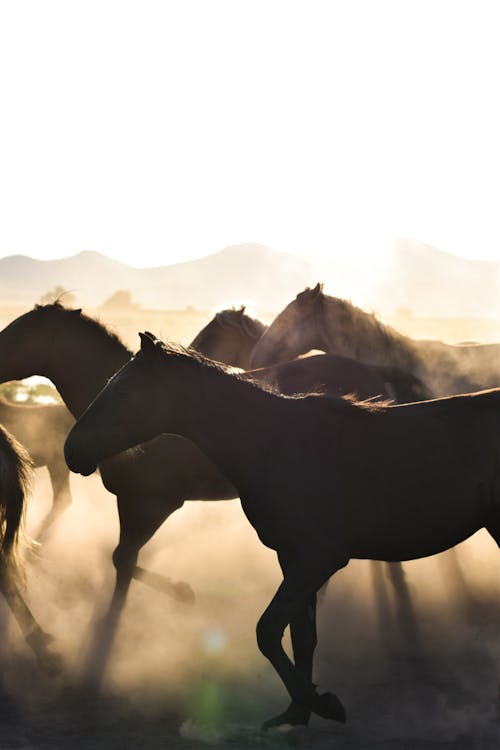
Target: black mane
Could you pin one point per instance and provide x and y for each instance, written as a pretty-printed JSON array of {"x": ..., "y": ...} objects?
[
  {"x": 93, "y": 324},
  {"x": 179, "y": 352}
]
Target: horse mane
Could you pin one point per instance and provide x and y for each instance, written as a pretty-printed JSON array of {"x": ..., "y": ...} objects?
[
  {"x": 373, "y": 405},
  {"x": 90, "y": 323},
  {"x": 237, "y": 318},
  {"x": 186, "y": 353},
  {"x": 180, "y": 352},
  {"x": 372, "y": 336}
]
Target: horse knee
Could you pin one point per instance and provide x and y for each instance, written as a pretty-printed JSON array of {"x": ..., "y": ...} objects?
[
  {"x": 124, "y": 558},
  {"x": 268, "y": 636}
]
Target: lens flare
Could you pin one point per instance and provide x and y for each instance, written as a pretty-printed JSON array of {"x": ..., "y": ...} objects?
[{"x": 214, "y": 640}]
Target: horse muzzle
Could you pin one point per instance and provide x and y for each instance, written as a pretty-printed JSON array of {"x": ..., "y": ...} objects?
[{"x": 77, "y": 462}]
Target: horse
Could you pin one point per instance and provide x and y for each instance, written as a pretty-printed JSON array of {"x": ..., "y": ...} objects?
[
  {"x": 316, "y": 320},
  {"x": 15, "y": 483},
  {"x": 42, "y": 430},
  {"x": 231, "y": 336},
  {"x": 79, "y": 354},
  {"x": 322, "y": 480}
]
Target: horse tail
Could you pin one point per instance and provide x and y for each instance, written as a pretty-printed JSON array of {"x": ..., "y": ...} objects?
[{"x": 16, "y": 473}]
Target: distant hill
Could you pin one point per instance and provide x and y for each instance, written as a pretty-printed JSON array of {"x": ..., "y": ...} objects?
[
  {"x": 432, "y": 282},
  {"x": 419, "y": 277},
  {"x": 412, "y": 275},
  {"x": 252, "y": 272}
]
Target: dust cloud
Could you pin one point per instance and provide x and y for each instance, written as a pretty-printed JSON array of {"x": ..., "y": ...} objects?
[{"x": 187, "y": 675}]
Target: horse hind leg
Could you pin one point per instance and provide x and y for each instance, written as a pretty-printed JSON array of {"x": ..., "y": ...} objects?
[
  {"x": 405, "y": 611},
  {"x": 38, "y": 640},
  {"x": 382, "y": 603}
]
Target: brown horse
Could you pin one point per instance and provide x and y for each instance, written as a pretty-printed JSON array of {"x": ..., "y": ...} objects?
[
  {"x": 322, "y": 480},
  {"x": 79, "y": 354},
  {"x": 42, "y": 430},
  {"x": 15, "y": 481},
  {"x": 230, "y": 338},
  {"x": 316, "y": 320}
]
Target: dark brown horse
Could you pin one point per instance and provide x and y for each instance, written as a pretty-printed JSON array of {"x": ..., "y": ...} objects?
[
  {"x": 15, "y": 481},
  {"x": 322, "y": 480},
  {"x": 230, "y": 337},
  {"x": 316, "y": 320},
  {"x": 79, "y": 354},
  {"x": 42, "y": 430}
]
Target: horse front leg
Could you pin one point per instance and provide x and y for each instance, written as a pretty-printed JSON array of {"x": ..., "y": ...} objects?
[
  {"x": 59, "y": 477},
  {"x": 124, "y": 560},
  {"x": 299, "y": 586},
  {"x": 139, "y": 519},
  {"x": 304, "y": 639},
  {"x": 36, "y": 638}
]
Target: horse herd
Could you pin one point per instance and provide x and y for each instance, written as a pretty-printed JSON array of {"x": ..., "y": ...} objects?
[{"x": 322, "y": 478}]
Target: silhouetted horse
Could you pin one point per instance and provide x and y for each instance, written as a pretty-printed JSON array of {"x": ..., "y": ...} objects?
[
  {"x": 15, "y": 480},
  {"x": 230, "y": 338},
  {"x": 317, "y": 321},
  {"x": 79, "y": 354},
  {"x": 322, "y": 480},
  {"x": 42, "y": 430}
]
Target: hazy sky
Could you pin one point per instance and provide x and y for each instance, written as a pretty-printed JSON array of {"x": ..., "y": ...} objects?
[{"x": 159, "y": 131}]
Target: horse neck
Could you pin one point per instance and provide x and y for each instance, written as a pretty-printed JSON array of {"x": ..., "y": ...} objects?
[
  {"x": 232, "y": 347},
  {"x": 242, "y": 351},
  {"x": 366, "y": 339},
  {"x": 225, "y": 417},
  {"x": 80, "y": 363}
]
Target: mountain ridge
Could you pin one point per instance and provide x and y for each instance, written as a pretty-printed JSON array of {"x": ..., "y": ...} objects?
[{"x": 414, "y": 276}]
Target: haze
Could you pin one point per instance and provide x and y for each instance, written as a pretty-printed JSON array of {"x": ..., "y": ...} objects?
[{"x": 162, "y": 131}]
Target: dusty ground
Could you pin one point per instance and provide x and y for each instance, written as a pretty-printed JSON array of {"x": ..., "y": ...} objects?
[{"x": 183, "y": 676}]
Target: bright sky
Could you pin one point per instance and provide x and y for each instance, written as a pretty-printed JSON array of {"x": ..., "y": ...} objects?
[{"x": 159, "y": 131}]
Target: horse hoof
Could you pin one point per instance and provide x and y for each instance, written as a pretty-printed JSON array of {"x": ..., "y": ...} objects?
[
  {"x": 184, "y": 593},
  {"x": 52, "y": 664},
  {"x": 328, "y": 706},
  {"x": 295, "y": 715}
]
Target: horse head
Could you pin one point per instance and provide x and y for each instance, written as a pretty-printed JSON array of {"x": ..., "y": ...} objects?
[
  {"x": 124, "y": 413},
  {"x": 229, "y": 337},
  {"x": 296, "y": 330}
]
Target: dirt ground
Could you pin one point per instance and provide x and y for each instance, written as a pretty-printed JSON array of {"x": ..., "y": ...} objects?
[{"x": 190, "y": 676}]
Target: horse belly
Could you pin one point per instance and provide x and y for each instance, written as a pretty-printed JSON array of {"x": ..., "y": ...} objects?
[{"x": 406, "y": 525}]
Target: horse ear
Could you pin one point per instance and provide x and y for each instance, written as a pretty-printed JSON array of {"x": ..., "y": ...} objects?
[
  {"x": 147, "y": 342},
  {"x": 242, "y": 310},
  {"x": 77, "y": 311},
  {"x": 318, "y": 289}
]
